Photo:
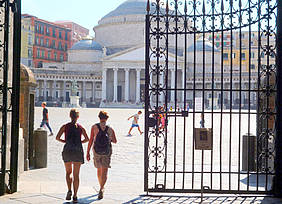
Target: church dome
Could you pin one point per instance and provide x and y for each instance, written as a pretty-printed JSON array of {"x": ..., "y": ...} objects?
[
  {"x": 201, "y": 46},
  {"x": 130, "y": 7},
  {"x": 87, "y": 44}
]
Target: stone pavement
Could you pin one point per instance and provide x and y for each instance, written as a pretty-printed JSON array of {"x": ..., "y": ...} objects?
[{"x": 125, "y": 180}]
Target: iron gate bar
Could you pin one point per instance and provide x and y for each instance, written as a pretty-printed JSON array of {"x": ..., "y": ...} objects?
[
  {"x": 166, "y": 102},
  {"x": 147, "y": 98},
  {"x": 184, "y": 78},
  {"x": 212, "y": 86},
  {"x": 4, "y": 89},
  {"x": 221, "y": 93},
  {"x": 15, "y": 97},
  {"x": 277, "y": 181},
  {"x": 258, "y": 88},
  {"x": 194, "y": 97},
  {"x": 240, "y": 78}
]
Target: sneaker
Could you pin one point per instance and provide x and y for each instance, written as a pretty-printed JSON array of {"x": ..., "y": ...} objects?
[
  {"x": 129, "y": 135},
  {"x": 101, "y": 194},
  {"x": 69, "y": 194},
  {"x": 51, "y": 134},
  {"x": 74, "y": 200}
]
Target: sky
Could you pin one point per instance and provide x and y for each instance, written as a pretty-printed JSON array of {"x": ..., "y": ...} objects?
[{"x": 84, "y": 12}]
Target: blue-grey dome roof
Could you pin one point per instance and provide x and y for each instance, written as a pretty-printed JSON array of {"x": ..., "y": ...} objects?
[
  {"x": 87, "y": 44},
  {"x": 200, "y": 46},
  {"x": 128, "y": 8}
]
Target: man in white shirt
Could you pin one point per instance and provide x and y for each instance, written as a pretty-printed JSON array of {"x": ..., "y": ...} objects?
[{"x": 135, "y": 123}]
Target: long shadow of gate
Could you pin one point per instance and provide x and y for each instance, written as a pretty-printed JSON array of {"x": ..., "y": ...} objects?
[{"x": 167, "y": 199}]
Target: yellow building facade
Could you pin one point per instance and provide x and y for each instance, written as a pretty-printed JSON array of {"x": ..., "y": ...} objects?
[{"x": 27, "y": 41}]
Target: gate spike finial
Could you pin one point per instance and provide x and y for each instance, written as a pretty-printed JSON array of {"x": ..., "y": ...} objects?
[
  {"x": 167, "y": 8},
  {"x": 148, "y": 6},
  {"x": 204, "y": 7},
  {"x": 222, "y": 5},
  {"x": 185, "y": 7}
]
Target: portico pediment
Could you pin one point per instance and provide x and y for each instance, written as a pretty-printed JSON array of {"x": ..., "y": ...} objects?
[{"x": 136, "y": 54}]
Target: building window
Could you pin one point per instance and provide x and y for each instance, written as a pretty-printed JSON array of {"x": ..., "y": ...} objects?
[
  {"x": 29, "y": 52},
  {"x": 53, "y": 44},
  {"x": 37, "y": 40},
  {"x": 66, "y": 47},
  {"x": 55, "y": 56},
  {"x": 47, "y": 31},
  {"x": 49, "y": 55},
  {"x": 61, "y": 57},
  {"x": 29, "y": 63},
  {"x": 262, "y": 55},
  {"x": 243, "y": 56},
  {"x": 47, "y": 42},
  {"x": 234, "y": 55},
  {"x": 41, "y": 41},
  {"x": 54, "y": 32},
  {"x": 38, "y": 52},
  {"x": 29, "y": 39},
  {"x": 253, "y": 66},
  {"x": 225, "y": 56},
  {"x": 66, "y": 35},
  {"x": 60, "y": 45},
  {"x": 42, "y": 29},
  {"x": 60, "y": 34},
  {"x": 43, "y": 54}
]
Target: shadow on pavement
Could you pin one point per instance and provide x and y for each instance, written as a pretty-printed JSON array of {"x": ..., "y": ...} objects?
[
  {"x": 86, "y": 200},
  {"x": 207, "y": 199}
]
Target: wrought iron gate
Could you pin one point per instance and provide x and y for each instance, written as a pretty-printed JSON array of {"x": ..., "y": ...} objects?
[
  {"x": 210, "y": 63},
  {"x": 10, "y": 41}
]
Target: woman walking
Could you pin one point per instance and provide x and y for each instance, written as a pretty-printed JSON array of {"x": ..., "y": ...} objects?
[
  {"x": 102, "y": 136},
  {"x": 73, "y": 155}
]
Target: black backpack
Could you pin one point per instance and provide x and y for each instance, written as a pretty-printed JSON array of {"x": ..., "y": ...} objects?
[{"x": 102, "y": 144}]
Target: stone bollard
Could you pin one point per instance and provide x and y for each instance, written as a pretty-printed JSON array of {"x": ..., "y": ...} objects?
[
  {"x": 249, "y": 156},
  {"x": 40, "y": 148}
]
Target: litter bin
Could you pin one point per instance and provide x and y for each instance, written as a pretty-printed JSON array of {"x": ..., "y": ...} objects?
[
  {"x": 249, "y": 152},
  {"x": 40, "y": 148}
]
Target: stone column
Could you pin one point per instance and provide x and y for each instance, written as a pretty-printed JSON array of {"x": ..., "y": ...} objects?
[
  {"x": 93, "y": 92},
  {"x": 115, "y": 84},
  {"x": 64, "y": 91},
  {"x": 54, "y": 89},
  {"x": 138, "y": 78},
  {"x": 104, "y": 85},
  {"x": 172, "y": 95},
  {"x": 45, "y": 89},
  {"x": 126, "y": 93},
  {"x": 84, "y": 91}
]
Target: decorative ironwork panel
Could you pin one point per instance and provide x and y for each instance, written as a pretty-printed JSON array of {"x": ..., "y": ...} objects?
[
  {"x": 210, "y": 64},
  {"x": 10, "y": 29}
]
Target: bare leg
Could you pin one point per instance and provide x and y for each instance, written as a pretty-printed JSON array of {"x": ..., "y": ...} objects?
[
  {"x": 68, "y": 167},
  {"x": 76, "y": 169},
  {"x": 104, "y": 177},
  {"x": 140, "y": 130},
  {"x": 99, "y": 175},
  {"x": 130, "y": 130}
]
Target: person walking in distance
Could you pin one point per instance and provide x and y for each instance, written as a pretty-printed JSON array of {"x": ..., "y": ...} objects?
[
  {"x": 135, "y": 123},
  {"x": 101, "y": 136},
  {"x": 72, "y": 154},
  {"x": 45, "y": 119}
]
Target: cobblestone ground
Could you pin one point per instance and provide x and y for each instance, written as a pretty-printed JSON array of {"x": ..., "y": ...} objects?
[{"x": 125, "y": 180}]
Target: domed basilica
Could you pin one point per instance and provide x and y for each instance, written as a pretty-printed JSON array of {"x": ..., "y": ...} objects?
[{"x": 109, "y": 69}]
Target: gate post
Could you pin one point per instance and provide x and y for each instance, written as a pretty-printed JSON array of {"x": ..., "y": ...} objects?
[{"x": 277, "y": 181}]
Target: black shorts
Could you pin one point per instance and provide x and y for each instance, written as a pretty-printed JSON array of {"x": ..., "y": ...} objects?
[{"x": 73, "y": 156}]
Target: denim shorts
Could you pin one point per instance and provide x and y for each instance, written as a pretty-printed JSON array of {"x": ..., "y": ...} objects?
[{"x": 135, "y": 125}]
